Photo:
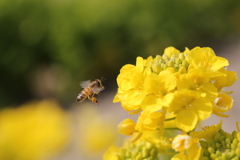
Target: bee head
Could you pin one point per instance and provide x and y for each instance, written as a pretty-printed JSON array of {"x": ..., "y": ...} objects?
[{"x": 99, "y": 82}]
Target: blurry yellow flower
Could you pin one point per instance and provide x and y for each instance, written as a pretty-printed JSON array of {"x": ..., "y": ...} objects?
[
  {"x": 127, "y": 127},
  {"x": 33, "y": 131},
  {"x": 187, "y": 146},
  {"x": 111, "y": 153},
  {"x": 97, "y": 132}
]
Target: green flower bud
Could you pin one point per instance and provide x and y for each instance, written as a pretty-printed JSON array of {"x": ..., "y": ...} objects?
[
  {"x": 165, "y": 57},
  {"x": 139, "y": 151},
  {"x": 156, "y": 68},
  {"x": 223, "y": 146},
  {"x": 170, "y": 63},
  {"x": 185, "y": 64},
  {"x": 182, "y": 56}
]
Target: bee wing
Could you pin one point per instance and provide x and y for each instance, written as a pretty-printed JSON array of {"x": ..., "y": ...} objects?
[
  {"x": 84, "y": 84},
  {"x": 99, "y": 89}
]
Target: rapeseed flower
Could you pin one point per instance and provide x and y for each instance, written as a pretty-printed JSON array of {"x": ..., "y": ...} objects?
[
  {"x": 188, "y": 83},
  {"x": 171, "y": 92},
  {"x": 190, "y": 107},
  {"x": 150, "y": 121},
  {"x": 188, "y": 147},
  {"x": 205, "y": 59},
  {"x": 33, "y": 131}
]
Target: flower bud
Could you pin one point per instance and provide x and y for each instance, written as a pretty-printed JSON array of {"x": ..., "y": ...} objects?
[{"x": 127, "y": 127}]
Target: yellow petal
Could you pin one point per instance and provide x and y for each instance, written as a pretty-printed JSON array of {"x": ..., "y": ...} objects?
[
  {"x": 206, "y": 59},
  {"x": 124, "y": 83},
  {"x": 168, "y": 80},
  {"x": 139, "y": 64},
  {"x": 202, "y": 107},
  {"x": 151, "y": 83},
  {"x": 179, "y": 157},
  {"x": 111, "y": 153},
  {"x": 135, "y": 97},
  {"x": 137, "y": 80},
  {"x": 151, "y": 104},
  {"x": 149, "y": 121},
  {"x": 167, "y": 99},
  {"x": 186, "y": 120},
  {"x": 223, "y": 103},
  {"x": 169, "y": 51},
  {"x": 127, "y": 68},
  {"x": 208, "y": 133},
  {"x": 127, "y": 127}
]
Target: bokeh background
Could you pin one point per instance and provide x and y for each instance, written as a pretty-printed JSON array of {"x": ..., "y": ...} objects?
[{"x": 48, "y": 46}]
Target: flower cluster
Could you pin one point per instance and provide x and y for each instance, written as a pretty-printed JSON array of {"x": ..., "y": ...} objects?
[
  {"x": 188, "y": 83},
  {"x": 35, "y": 130},
  {"x": 174, "y": 91}
]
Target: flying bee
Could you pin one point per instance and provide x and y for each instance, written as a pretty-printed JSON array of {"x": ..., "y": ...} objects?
[{"x": 90, "y": 89}]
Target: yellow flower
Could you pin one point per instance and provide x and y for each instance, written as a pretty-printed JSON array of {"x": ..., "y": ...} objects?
[
  {"x": 223, "y": 103},
  {"x": 97, "y": 133},
  {"x": 127, "y": 127},
  {"x": 208, "y": 132},
  {"x": 123, "y": 80},
  {"x": 205, "y": 59},
  {"x": 33, "y": 131},
  {"x": 175, "y": 91},
  {"x": 198, "y": 80},
  {"x": 190, "y": 107},
  {"x": 169, "y": 51},
  {"x": 227, "y": 79},
  {"x": 159, "y": 91},
  {"x": 187, "y": 146},
  {"x": 130, "y": 82},
  {"x": 145, "y": 84},
  {"x": 188, "y": 85},
  {"x": 111, "y": 153},
  {"x": 150, "y": 121}
]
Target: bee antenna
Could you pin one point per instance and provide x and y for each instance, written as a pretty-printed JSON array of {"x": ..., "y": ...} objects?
[{"x": 103, "y": 79}]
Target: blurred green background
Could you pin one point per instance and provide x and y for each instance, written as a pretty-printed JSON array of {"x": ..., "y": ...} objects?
[{"x": 48, "y": 46}]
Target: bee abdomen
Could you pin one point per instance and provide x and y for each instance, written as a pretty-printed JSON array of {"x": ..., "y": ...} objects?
[{"x": 81, "y": 96}]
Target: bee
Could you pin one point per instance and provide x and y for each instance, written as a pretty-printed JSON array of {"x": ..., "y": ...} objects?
[{"x": 90, "y": 89}]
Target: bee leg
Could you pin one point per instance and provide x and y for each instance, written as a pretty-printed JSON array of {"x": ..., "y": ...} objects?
[{"x": 93, "y": 99}]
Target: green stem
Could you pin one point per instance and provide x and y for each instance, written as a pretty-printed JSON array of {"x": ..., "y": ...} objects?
[{"x": 170, "y": 119}]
